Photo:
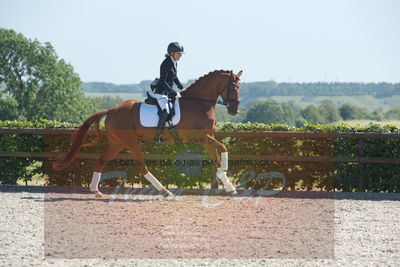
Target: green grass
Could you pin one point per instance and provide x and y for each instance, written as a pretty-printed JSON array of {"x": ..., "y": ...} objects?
[
  {"x": 366, "y": 122},
  {"x": 365, "y": 101}
]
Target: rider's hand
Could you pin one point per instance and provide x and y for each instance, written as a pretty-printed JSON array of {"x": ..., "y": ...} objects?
[{"x": 172, "y": 94}]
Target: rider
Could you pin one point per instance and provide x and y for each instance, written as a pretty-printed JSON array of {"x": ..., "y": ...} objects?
[{"x": 168, "y": 76}]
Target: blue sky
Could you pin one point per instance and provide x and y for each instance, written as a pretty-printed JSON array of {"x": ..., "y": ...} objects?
[{"x": 284, "y": 40}]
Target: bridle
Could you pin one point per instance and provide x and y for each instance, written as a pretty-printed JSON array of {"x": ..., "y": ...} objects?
[{"x": 231, "y": 86}]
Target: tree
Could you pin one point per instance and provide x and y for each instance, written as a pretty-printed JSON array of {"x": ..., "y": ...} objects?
[
  {"x": 107, "y": 101},
  {"x": 289, "y": 114},
  {"x": 222, "y": 114},
  {"x": 42, "y": 85},
  {"x": 352, "y": 112},
  {"x": 8, "y": 109},
  {"x": 376, "y": 115},
  {"x": 329, "y": 111},
  {"x": 312, "y": 115},
  {"x": 393, "y": 114},
  {"x": 270, "y": 111},
  {"x": 300, "y": 121}
]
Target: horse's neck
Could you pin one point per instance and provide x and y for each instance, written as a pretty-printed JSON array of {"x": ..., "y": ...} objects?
[{"x": 204, "y": 89}]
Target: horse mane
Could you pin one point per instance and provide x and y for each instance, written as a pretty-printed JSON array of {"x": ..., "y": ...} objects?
[{"x": 205, "y": 76}]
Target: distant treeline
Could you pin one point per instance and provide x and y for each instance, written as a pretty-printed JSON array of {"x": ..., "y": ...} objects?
[
  {"x": 272, "y": 88},
  {"x": 102, "y": 87},
  {"x": 271, "y": 111}
]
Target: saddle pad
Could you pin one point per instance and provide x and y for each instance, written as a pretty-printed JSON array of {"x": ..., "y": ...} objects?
[{"x": 149, "y": 117}]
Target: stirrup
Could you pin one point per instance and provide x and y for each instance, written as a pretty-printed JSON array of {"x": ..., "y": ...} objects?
[
  {"x": 159, "y": 140},
  {"x": 173, "y": 132}
]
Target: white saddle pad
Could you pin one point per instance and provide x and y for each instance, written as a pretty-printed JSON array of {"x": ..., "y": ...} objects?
[{"x": 149, "y": 116}]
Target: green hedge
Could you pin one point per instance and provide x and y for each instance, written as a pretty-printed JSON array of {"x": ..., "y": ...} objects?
[
  {"x": 326, "y": 176},
  {"x": 12, "y": 169},
  {"x": 246, "y": 174}
]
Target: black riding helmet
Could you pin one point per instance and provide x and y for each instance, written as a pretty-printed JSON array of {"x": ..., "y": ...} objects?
[{"x": 175, "y": 47}]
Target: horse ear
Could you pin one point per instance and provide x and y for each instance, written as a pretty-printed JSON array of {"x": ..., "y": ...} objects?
[{"x": 240, "y": 73}]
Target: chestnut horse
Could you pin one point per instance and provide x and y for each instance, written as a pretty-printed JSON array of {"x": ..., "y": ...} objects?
[{"x": 198, "y": 122}]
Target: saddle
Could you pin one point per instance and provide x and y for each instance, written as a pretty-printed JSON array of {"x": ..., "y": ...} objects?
[{"x": 150, "y": 100}]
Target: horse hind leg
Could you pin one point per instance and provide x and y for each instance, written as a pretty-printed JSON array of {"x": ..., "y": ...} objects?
[
  {"x": 136, "y": 151},
  {"x": 111, "y": 152}
]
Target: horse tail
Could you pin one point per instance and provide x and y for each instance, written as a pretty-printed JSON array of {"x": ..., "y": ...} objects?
[{"x": 78, "y": 137}]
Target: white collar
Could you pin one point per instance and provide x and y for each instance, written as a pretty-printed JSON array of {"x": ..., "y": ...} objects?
[{"x": 173, "y": 60}]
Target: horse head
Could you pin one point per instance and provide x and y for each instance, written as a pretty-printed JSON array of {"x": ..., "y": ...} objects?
[
  {"x": 216, "y": 83},
  {"x": 231, "y": 92}
]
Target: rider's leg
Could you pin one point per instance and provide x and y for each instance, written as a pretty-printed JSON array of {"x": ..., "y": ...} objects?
[
  {"x": 163, "y": 103},
  {"x": 160, "y": 126}
]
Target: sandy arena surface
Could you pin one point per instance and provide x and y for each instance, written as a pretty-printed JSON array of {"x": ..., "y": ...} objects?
[{"x": 69, "y": 227}]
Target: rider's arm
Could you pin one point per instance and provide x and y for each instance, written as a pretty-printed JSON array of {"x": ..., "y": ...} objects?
[{"x": 178, "y": 83}]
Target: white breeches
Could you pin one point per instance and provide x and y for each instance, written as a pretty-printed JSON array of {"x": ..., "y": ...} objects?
[{"x": 162, "y": 101}]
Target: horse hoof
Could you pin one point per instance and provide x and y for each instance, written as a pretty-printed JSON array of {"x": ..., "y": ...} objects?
[
  {"x": 230, "y": 189},
  {"x": 98, "y": 194},
  {"x": 232, "y": 193},
  {"x": 167, "y": 193}
]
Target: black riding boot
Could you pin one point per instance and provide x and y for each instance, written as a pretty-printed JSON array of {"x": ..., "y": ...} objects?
[{"x": 160, "y": 125}]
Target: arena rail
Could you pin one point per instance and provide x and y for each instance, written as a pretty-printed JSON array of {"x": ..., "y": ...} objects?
[{"x": 360, "y": 136}]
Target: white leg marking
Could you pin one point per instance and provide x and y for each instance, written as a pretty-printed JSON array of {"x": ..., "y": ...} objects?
[
  {"x": 94, "y": 184},
  {"x": 221, "y": 174},
  {"x": 153, "y": 180},
  {"x": 224, "y": 161}
]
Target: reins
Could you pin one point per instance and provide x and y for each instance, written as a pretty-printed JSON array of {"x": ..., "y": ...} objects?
[
  {"x": 225, "y": 102},
  {"x": 199, "y": 99}
]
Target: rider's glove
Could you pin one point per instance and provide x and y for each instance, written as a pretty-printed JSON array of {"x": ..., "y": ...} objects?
[{"x": 172, "y": 94}]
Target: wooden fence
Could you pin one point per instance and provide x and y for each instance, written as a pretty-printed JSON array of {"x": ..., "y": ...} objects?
[{"x": 360, "y": 159}]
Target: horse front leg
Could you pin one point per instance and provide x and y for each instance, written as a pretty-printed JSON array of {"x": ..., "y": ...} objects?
[{"x": 214, "y": 147}]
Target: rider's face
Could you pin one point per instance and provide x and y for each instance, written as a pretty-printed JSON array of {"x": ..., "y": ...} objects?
[{"x": 176, "y": 55}]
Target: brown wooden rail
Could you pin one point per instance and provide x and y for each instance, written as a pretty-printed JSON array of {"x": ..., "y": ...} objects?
[{"x": 360, "y": 136}]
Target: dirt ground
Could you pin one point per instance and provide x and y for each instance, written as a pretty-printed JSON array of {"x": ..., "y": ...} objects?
[{"x": 68, "y": 226}]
